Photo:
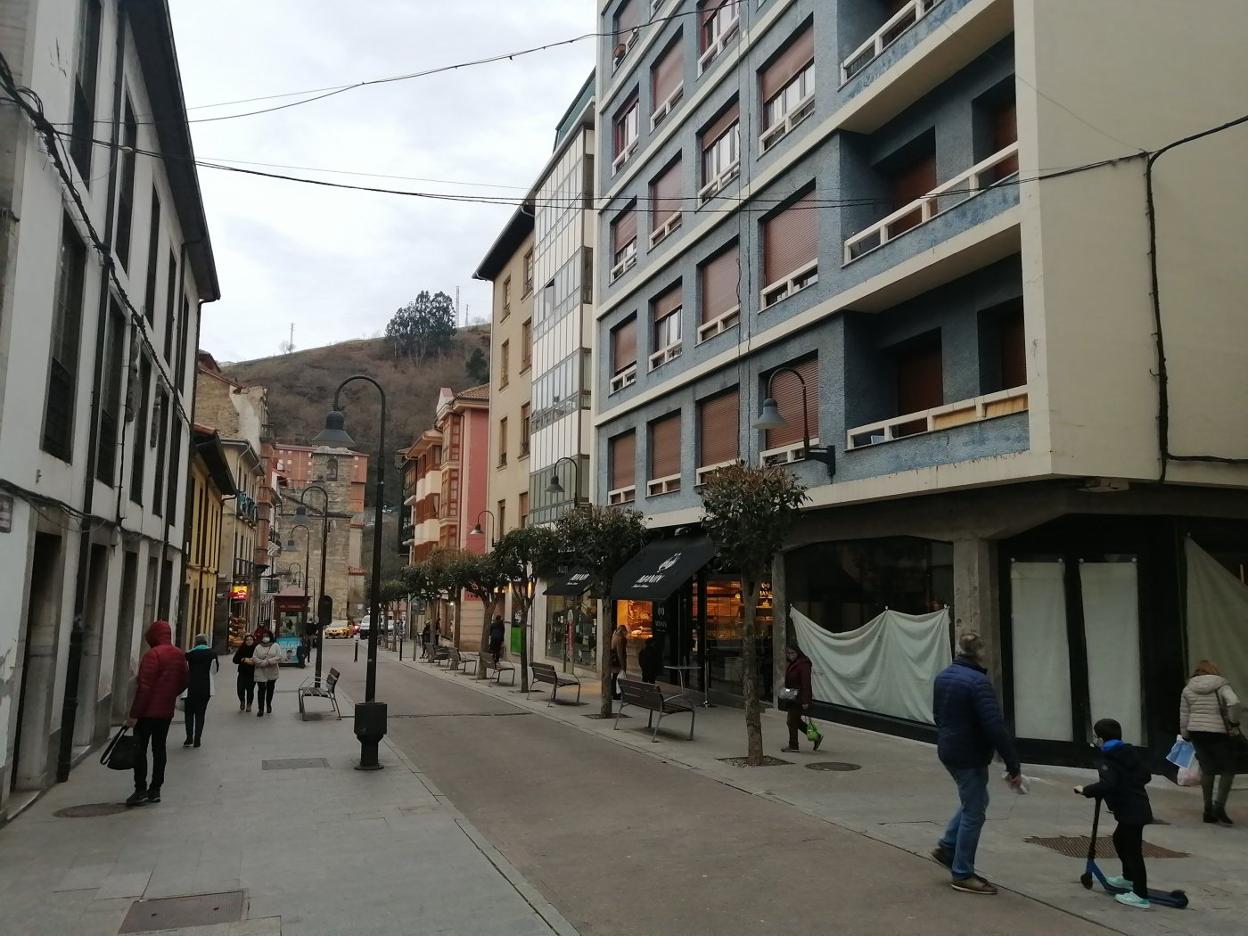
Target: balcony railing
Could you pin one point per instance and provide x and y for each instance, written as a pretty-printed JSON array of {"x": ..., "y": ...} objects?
[
  {"x": 659, "y": 234},
  {"x": 707, "y": 470},
  {"x": 719, "y": 324},
  {"x": 625, "y": 378},
  {"x": 785, "y": 454},
  {"x": 666, "y": 485},
  {"x": 893, "y": 29},
  {"x": 982, "y": 176},
  {"x": 622, "y": 495},
  {"x": 668, "y": 105},
  {"x": 717, "y": 184},
  {"x": 664, "y": 355},
  {"x": 716, "y": 49},
  {"x": 907, "y": 425},
  {"x": 795, "y": 282},
  {"x": 626, "y": 262},
  {"x": 774, "y": 134},
  {"x": 625, "y": 155}
]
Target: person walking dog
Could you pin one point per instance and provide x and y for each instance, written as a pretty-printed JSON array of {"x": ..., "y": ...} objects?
[
  {"x": 969, "y": 726},
  {"x": 161, "y": 678},
  {"x": 200, "y": 661},
  {"x": 1209, "y": 713},
  {"x": 267, "y": 658}
]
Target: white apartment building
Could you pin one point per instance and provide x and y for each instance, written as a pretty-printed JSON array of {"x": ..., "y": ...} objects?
[{"x": 96, "y": 374}]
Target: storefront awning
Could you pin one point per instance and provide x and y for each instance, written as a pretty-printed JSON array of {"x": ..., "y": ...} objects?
[
  {"x": 571, "y": 584},
  {"x": 661, "y": 568}
]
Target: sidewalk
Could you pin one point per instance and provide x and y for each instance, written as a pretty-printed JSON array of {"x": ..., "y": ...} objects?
[
  {"x": 314, "y": 847},
  {"x": 901, "y": 795}
]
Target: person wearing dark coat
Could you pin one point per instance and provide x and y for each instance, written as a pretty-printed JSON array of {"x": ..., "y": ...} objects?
[
  {"x": 650, "y": 659},
  {"x": 497, "y": 633},
  {"x": 969, "y": 727},
  {"x": 797, "y": 676},
  {"x": 1121, "y": 782},
  {"x": 246, "y": 673},
  {"x": 161, "y": 678},
  {"x": 200, "y": 661}
]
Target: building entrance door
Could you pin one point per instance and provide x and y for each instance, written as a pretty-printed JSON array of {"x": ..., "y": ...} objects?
[{"x": 38, "y": 672}]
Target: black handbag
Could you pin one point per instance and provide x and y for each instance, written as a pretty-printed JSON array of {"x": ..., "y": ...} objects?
[
  {"x": 787, "y": 699},
  {"x": 119, "y": 754}
]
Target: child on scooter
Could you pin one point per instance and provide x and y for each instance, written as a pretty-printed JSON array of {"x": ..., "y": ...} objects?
[{"x": 1121, "y": 785}]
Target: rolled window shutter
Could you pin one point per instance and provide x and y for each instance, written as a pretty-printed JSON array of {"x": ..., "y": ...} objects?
[
  {"x": 797, "y": 55},
  {"x": 719, "y": 427},
  {"x": 626, "y": 19},
  {"x": 623, "y": 457},
  {"x": 920, "y": 378},
  {"x": 786, "y": 390},
  {"x": 666, "y": 73},
  {"x": 720, "y": 125},
  {"x": 623, "y": 230},
  {"x": 624, "y": 346},
  {"x": 665, "y": 194},
  {"x": 665, "y": 446},
  {"x": 790, "y": 239},
  {"x": 719, "y": 284},
  {"x": 667, "y": 302}
]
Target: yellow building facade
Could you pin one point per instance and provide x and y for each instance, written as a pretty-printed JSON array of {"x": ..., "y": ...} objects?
[{"x": 210, "y": 483}]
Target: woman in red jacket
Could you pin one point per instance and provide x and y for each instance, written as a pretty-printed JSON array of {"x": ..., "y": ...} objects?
[
  {"x": 797, "y": 676},
  {"x": 162, "y": 677}
]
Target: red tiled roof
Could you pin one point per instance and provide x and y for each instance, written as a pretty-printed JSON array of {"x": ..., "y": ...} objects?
[{"x": 481, "y": 392}]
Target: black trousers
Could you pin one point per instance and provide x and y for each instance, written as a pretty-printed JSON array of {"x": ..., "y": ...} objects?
[
  {"x": 1129, "y": 843},
  {"x": 793, "y": 719},
  {"x": 196, "y": 708},
  {"x": 264, "y": 694},
  {"x": 151, "y": 731},
  {"x": 246, "y": 689}
]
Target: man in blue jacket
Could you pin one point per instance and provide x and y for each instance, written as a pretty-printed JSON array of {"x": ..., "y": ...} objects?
[{"x": 969, "y": 727}]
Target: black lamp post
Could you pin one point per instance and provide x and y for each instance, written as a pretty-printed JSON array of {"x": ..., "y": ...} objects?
[
  {"x": 301, "y": 516},
  {"x": 370, "y": 715},
  {"x": 556, "y": 488},
  {"x": 477, "y": 531},
  {"x": 770, "y": 418}
]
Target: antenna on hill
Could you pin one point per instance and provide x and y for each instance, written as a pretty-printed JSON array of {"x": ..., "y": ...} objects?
[
  {"x": 287, "y": 346},
  {"x": 457, "y": 307}
]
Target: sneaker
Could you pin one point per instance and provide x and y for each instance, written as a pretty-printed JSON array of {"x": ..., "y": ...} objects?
[
  {"x": 1129, "y": 899},
  {"x": 153, "y": 796},
  {"x": 249, "y": 708},
  {"x": 196, "y": 744},
  {"x": 789, "y": 750},
  {"x": 1209, "y": 815},
  {"x": 973, "y": 885},
  {"x": 260, "y": 714},
  {"x": 1119, "y": 882},
  {"x": 187, "y": 743},
  {"x": 137, "y": 798},
  {"x": 942, "y": 856},
  {"x": 240, "y": 706}
]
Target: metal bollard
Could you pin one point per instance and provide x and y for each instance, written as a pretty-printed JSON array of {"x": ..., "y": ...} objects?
[{"x": 357, "y": 649}]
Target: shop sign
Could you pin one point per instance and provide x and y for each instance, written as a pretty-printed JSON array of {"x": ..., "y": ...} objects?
[{"x": 239, "y": 592}]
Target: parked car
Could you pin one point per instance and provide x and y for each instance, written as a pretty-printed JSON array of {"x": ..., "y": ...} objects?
[
  {"x": 338, "y": 632},
  {"x": 363, "y": 627}
]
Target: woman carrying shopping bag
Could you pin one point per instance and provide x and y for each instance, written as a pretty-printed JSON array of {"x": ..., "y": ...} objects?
[
  {"x": 1209, "y": 718},
  {"x": 797, "y": 680},
  {"x": 267, "y": 658}
]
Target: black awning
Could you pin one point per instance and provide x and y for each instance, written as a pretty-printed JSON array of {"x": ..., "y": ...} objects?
[
  {"x": 570, "y": 584},
  {"x": 661, "y": 568}
]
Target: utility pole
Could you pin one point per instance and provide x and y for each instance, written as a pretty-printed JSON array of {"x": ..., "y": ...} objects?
[
  {"x": 290, "y": 345},
  {"x": 457, "y": 307}
]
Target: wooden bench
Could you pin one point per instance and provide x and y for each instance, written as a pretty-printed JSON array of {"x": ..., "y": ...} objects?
[
  {"x": 454, "y": 658},
  {"x": 486, "y": 663},
  {"x": 651, "y": 698},
  {"x": 545, "y": 673},
  {"x": 470, "y": 659},
  {"x": 327, "y": 690},
  {"x": 439, "y": 654}
]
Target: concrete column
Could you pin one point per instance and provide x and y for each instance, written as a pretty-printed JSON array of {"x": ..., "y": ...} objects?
[
  {"x": 781, "y": 630},
  {"x": 976, "y": 598}
]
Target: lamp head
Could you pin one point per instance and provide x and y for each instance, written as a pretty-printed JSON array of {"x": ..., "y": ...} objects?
[
  {"x": 301, "y": 514},
  {"x": 476, "y": 530},
  {"x": 334, "y": 432},
  {"x": 769, "y": 417},
  {"x": 554, "y": 487}
]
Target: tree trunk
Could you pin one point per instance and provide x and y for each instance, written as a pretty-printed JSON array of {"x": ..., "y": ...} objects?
[
  {"x": 524, "y": 643},
  {"x": 458, "y": 603},
  {"x": 490, "y": 608},
  {"x": 606, "y": 631},
  {"x": 749, "y": 676}
]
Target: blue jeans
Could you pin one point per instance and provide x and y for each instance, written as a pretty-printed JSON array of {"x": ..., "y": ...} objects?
[{"x": 962, "y": 834}]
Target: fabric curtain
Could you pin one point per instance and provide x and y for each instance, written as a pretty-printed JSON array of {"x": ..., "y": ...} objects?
[
  {"x": 1217, "y": 617},
  {"x": 888, "y": 666},
  {"x": 1042, "y": 706},
  {"x": 1111, "y": 615}
]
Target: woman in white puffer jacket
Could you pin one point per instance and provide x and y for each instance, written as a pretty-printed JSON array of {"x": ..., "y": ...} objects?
[{"x": 1209, "y": 718}]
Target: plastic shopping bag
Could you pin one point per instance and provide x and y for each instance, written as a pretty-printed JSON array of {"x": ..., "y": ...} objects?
[
  {"x": 812, "y": 730},
  {"x": 1189, "y": 776},
  {"x": 1182, "y": 753}
]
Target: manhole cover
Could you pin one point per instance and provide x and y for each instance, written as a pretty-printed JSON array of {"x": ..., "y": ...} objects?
[
  {"x": 90, "y": 810},
  {"x": 146, "y": 916},
  {"x": 843, "y": 766},
  {"x": 294, "y": 763},
  {"x": 1076, "y": 846},
  {"x": 768, "y": 761}
]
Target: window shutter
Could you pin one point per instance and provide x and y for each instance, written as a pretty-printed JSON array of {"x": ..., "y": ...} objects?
[
  {"x": 624, "y": 345},
  {"x": 667, "y": 73},
  {"x": 920, "y": 378},
  {"x": 719, "y": 427},
  {"x": 665, "y": 446},
  {"x": 790, "y": 239},
  {"x": 913, "y": 182},
  {"x": 719, "y": 284},
  {"x": 720, "y": 125},
  {"x": 666, "y": 302},
  {"x": 623, "y": 230},
  {"x": 786, "y": 390},
  {"x": 665, "y": 195},
  {"x": 1005, "y": 132},
  {"x": 626, "y": 19},
  {"x": 797, "y": 55},
  {"x": 623, "y": 458},
  {"x": 1013, "y": 350}
]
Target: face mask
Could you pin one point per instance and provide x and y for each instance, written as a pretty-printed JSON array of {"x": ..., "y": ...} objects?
[{"x": 267, "y": 641}]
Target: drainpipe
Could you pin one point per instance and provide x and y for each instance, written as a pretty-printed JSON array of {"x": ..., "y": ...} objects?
[{"x": 73, "y": 664}]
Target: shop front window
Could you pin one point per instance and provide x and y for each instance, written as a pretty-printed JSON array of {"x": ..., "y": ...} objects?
[
  {"x": 572, "y": 630},
  {"x": 725, "y": 632}
]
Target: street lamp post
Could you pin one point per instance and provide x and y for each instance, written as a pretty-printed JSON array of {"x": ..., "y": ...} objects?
[
  {"x": 477, "y": 531},
  {"x": 301, "y": 516},
  {"x": 307, "y": 552},
  {"x": 556, "y": 488},
  {"x": 770, "y": 418},
  {"x": 370, "y": 715}
]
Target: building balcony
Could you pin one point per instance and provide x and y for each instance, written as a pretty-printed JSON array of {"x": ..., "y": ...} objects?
[
  {"x": 938, "y": 418},
  {"x": 408, "y": 534},
  {"x": 622, "y": 495},
  {"x": 893, "y": 29}
]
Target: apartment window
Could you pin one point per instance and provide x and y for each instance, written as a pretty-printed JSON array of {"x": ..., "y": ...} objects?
[
  {"x": 184, "y": 321},
  {"x": 920, "y": 380},
  {"x": 786, "y": 390},
  {"x": 58, "y": 414},
  {"x": 666, "y": 81},
  {"x": 623, "y": 242},
  {"x": 153, "y": 256},
  {"x": 624, "y": 354},
  {"x": 331, "y": 469},
  {"x": 161, "y": 435},
  {"x": 625, "y": 124},
  {"x": 1012, "y": 344},
  {"x": 787, "y": 85},
  {"x": 666, "y": 309},
  {"x": 88, "y": 43},
  {"x": 721, "y": 152},
  {"x": 175, "y": 472},
  {"x": 524, "y": 509},
  {"x": 790, "y": 250},
  {"x": 526, "y": 345},
  {"x": 664, "y": 455},
  {"x": 502, "y": 442},
  {"x": 717, "y": 21},
  {"x": 507, "y": 297},
  {"x": 719, "y": 280},
  {"x": 171, "y": 304},
  {"x": 912, "y": 180},
  {"x": 622, "y": 468},
  {"x": 665, "y": 203},
  {"x": 1004, "y": 133},
  {"x": 504, "y": 361},
  {"x": 624, "y": 25},
  {"x": 528, "y": 273},
  {"x": 110, "y": 401},
  {"x": 125, "y": 197},
  {"x": 501, "y": 528},
  {"x": 525, "y": 428},
  {"x": 143, "y": 397},
  {"x": 719, "y": 428}
]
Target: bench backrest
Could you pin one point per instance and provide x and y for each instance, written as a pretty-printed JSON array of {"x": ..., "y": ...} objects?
[
  {"x": 647, "y": 695},
  {"x": 543, "y": 671},
  {"x": 332, "y": 679}
]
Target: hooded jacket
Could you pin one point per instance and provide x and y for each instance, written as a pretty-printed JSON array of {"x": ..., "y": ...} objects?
[
  {"x": 1204, "y": 700},
  {"x": 1121, "y": 784},
  {"x": 969, "y": 723},
  {"x": 200, "y": 662},
  {"x": 797, "y": 676},
  {"x": 162, "y": 675}
]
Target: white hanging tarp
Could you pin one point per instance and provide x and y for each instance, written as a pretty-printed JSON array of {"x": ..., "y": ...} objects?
[
  {"x": 1042, "y": 704},
  {"x": 1217, "y": 618},
  {"x": 887, "y": 666},
  {"x": 1111, "y": 627}
]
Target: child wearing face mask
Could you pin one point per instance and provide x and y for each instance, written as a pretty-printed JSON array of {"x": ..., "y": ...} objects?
[{"x": 267, "y": 659}]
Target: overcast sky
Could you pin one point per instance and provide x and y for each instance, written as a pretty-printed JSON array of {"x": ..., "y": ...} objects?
[{"x": 337, "y": 264}]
